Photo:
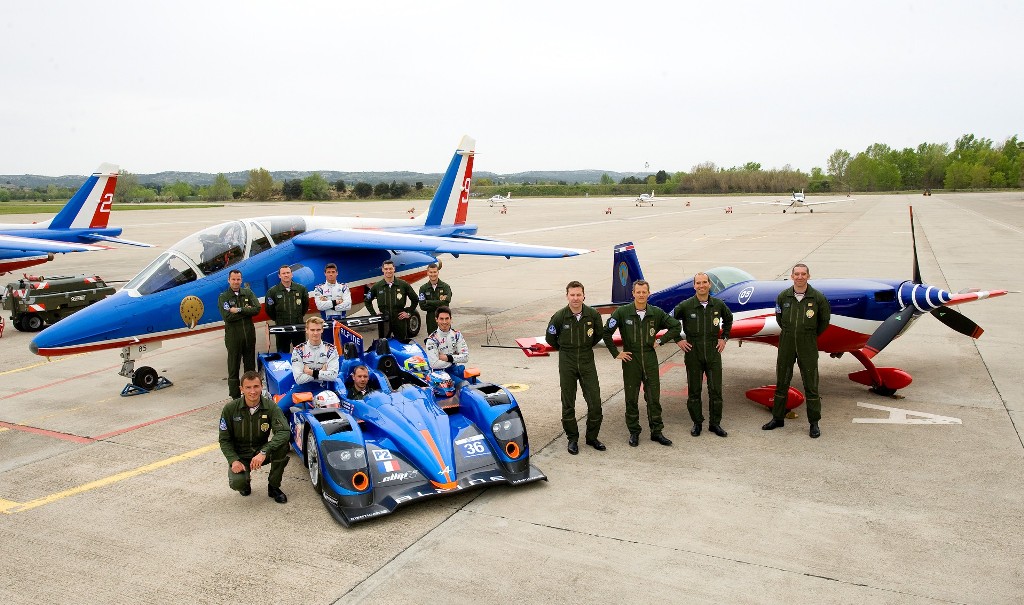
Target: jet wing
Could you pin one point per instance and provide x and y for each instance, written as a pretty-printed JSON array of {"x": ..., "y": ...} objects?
[
  {"x": 30, "y": 244},
  {"x": 369, "y": 239},
  {"x": 117, "y": 240}
]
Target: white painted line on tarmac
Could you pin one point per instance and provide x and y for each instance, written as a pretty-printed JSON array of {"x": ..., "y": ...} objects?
[{"x": 901, "y": 416}]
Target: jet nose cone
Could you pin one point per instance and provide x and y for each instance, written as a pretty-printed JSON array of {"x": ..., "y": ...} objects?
[
  {"x": 923, "y": 297},
  {"x": 93, "y": 324}
]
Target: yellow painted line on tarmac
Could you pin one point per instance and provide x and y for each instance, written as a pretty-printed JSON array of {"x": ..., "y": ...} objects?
[
  {"x": 41, "y": 363},
  {"x": 35, "y": 419},
  {"x": 6, "y": 504},
  {"x": 18, "y": 508}
]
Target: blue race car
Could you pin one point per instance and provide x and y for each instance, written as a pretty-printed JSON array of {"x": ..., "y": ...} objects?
[{"x": 403, "y": 441}]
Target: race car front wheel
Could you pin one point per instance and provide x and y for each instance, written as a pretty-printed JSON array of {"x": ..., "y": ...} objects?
[{"x": 313, "y": 461}]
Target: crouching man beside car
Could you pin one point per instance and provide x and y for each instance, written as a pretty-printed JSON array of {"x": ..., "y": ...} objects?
[{"x": 253, "y": 433}]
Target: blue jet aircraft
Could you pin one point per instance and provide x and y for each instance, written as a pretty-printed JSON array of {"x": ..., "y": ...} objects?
[
  {"x": 79, "y": 226},
  {"x": 176, "y": 294}
]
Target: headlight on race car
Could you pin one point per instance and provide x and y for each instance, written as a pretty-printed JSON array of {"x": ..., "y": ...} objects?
[
  {"x": 346, "y": 464},
  {"x": 508, "y": 429}
]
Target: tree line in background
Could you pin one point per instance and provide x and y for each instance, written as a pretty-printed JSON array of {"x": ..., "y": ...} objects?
[
  {"x": 971, "y": 163},
  {"x": 259, "y": 186}
]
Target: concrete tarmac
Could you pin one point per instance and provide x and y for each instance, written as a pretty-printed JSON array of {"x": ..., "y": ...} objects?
[{"x": 109, "y": 499}]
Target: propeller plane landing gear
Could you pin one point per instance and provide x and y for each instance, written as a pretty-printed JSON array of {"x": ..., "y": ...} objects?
[
  {"x": 883, "y": 381},
  {"x": 145, "y": 379}
]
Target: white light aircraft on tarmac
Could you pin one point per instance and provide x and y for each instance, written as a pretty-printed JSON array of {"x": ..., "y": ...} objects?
[
  {"x": 498, "y": 199},
  {"x": 799, "y": 200}
]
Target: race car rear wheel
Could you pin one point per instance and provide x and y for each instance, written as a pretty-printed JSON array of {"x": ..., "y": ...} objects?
[
  {"x": 415, "y": 322},
  {"x": 313, "y": 461}
]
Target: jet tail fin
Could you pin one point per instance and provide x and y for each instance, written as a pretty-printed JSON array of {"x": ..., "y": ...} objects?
[
  {"x": 89, "y": 208},
  {"x": 451, "y": 201},
  {"x": 625, "y": 271}
]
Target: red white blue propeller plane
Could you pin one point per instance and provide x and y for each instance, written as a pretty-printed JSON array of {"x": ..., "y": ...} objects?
[
  {"x": 79, "y": 226},
  {"x": 176, "y": 294},
  {"x": 867, "y": 314}
]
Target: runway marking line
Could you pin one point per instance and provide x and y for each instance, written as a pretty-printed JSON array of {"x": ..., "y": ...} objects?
[
  {"x": 9, "y": 508},
  {"x": 46, "y": 433}
]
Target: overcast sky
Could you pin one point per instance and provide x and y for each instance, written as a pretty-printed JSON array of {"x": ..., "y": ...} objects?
[{"x": 224, "y": 85}]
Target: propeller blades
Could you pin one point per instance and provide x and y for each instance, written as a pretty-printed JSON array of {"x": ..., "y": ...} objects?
[
  {"x": 913, "y": 241},
  {"x": 958, "y": 321},
  {"x": 892, "y": 327}
]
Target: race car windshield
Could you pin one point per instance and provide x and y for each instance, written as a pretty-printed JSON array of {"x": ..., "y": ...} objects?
[
  {"x": 215, "y": 248},
  {"x": 725, "y": 277},
  {"x": 167, "y": 271}
]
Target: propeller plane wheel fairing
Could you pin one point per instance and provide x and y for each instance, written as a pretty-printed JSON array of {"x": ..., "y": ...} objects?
[
  {"x": 145, "y": 378},
  {"x": 766, "y": 396}
]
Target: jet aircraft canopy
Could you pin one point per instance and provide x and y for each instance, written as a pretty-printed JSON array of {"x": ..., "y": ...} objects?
[
  {"x": 213, "y": 249},
  {"x": 726, "y": 277}
]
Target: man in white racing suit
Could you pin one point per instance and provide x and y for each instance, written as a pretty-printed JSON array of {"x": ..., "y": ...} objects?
[
  {"x": 314, "y": 360},
  {"x": 333, "y": 298},
  {"x": 446, "y": 348}
]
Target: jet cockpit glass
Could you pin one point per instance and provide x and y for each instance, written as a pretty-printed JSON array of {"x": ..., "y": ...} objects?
[
  {"x": 167, "y": 271},
  {"x": 283, "y": 228},
  {"x": 725, "y": 277},
  {"x": 215, "y": 248}
]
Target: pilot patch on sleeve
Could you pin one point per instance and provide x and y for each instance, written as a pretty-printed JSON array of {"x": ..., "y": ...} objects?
[
  {"x": 778, "y": 309},
  {"x": 223, "y": 424},
  {"x": 612, "y": 323},
  {"x": 423, "y": 296},
  {"x": 226, "y": 306},
  {"x": 270, "y": 300},
  {"x": 551, "y": 329}
]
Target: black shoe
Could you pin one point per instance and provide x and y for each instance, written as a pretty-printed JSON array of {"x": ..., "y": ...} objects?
[
  {"x": 815, "y": 431},
  {"x": 245, "y": 491},
  {"x": 276, "y": 494},
  {"x": 695, "y": 431},
  {"x": 661, "y": 439},
  {"x": 718, "y": 430},
  {"x": 634, "y": 439},
  {"x": 773, "y": 424},
  {"x": 574, "y": 448},
  {"x": 597, "y": 445}
]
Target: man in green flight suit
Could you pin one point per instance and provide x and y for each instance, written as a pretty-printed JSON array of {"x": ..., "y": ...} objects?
[
  {"x": 573, "y": 331},
  {"x": 395, "y": 297},
  {"x": 287, "y": 304},
  {"x": 246, "y": 424},
  {"x": 803, "y": 314},
  {"x": 238, "y": 305},
  {"x": 706, "y": 324},
  {"x": 433, "y": 294},
  {"x": 638, "y": 324}
]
